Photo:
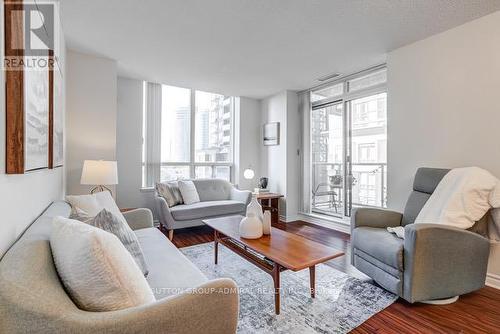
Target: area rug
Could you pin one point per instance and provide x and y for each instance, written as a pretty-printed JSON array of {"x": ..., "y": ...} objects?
[{"x": 342, "y": 302}]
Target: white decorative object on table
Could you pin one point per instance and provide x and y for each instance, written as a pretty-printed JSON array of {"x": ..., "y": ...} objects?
[
  {"x": 255, "y": 208},
  {"x": 251, "y": 227},
  {"x": 266, "y": 223}
]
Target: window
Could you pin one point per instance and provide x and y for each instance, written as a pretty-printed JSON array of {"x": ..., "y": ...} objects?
[
  {"x": 195, "y": 136},
  {"x": 348, "y": 145},
  {"x": 175, "y": 124},
  {"x": 213, "y": 128},
  {"x": 328, "y": 92},
  {"x": 367, "y": 81},
  {"x": 366, "y": 152}
]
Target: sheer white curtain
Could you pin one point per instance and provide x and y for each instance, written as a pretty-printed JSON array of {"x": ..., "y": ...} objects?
[
  {"x": 153, "y": 133},
  {"x": 305, "y": 115}
]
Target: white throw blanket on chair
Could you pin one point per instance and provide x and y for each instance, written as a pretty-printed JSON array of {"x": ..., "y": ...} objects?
[{"x": 463, "y": 197}]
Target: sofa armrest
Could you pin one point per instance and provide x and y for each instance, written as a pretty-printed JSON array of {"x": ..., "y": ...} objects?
[
  {"x": 378, "y": 218},
  {"x": 139, "y": 218},
  {"x": 442, "y": 261},
  {"x": 243, "y": 196},
  {"x": 164, "y": 214}
]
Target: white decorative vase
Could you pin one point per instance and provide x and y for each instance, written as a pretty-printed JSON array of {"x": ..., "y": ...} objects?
[
  {"x": 266, "y": 223},
  {"x": 255, "y": 208},
  {"x": 250, "y": 227}
]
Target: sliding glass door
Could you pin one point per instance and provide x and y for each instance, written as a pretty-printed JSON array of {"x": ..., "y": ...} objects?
[
  {"x": 368, "y": 141},
  {"x": 327, "y": 149},
  {"x": 348, "y": 143}
]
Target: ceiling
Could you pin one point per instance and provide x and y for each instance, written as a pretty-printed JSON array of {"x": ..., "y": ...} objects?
[{"x": 254, "y": 48}]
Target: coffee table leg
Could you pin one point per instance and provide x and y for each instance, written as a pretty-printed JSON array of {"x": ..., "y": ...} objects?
[
  {"x": 312, "y": 278},
  {"x": 276, "y": 279},
  {"x": 216, "y": 245}
]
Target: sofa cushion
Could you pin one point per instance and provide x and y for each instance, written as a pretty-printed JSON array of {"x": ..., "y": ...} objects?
[
  {"x": 188, "y": 192},
  {"x": 206, "y": 209},
  {"x": 96, "y": 269},
  {"x": 213, "y": 189},
  {"x": 170, "y": 192},
  {"x": 379, "y": 244},
  {"x": 170, "y": 272},
  {"x": 94, "y": 203},
  {"x": 108, "y": 222}
]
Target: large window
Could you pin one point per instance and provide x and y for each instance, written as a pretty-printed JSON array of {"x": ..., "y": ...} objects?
[
  {"x": 196, "y": 134},
  {"x": 348, "y": 144}
]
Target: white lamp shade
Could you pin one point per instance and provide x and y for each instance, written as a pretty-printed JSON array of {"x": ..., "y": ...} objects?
[
  {"x": 99, "y": 172},
  {"x": 248, "y": 174}
]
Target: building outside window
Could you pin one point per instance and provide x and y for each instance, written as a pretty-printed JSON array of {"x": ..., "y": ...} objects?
[{"x": 196, "y": 134}]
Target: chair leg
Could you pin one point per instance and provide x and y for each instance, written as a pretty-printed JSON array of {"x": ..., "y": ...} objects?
[{"x": 170, "y": 234}]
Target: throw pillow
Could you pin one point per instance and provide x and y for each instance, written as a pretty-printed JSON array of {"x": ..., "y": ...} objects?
[
  {"x": 170, "y": 192},
  {"x": 108, "y": 222},
  {"x": 94, "y": 203},
  {"x": 95, "y": 268},
  {"x": 189, "y": 192}
]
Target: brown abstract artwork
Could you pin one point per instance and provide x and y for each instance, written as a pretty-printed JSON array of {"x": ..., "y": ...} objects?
[{"x": 34, "y": 109}]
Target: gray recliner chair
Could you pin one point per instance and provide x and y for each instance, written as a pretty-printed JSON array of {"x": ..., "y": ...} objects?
[{"x": 433, "y": 261}]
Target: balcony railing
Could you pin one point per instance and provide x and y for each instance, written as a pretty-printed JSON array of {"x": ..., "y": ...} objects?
[{"x": 368, "y": 183}]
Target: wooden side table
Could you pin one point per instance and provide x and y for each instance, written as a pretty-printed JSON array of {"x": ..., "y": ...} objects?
[
  {"x": 270, "y": 201},
  {"x": 126, "y": 209}
]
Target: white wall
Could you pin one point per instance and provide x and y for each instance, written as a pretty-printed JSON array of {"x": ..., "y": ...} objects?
[
  {"x": 444, "y": 106},
  {"x": 23, "y": 197},
  {"x": 293, "y": 145},
  {"x": 91, "y": 114},
  {"x": 248, "y": 141},
  {"x": 281, "y": 163},
  {"x": 273, "y": 158},
  {"x": 129, "y": 146}
]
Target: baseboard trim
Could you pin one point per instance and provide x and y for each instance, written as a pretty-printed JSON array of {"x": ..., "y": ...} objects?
[
  {"x": 493, "y": 280},
  {"x": 328, "y": 223}
]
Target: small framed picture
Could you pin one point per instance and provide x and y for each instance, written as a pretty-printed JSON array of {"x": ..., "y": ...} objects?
[{"x": 271, "y": 134}]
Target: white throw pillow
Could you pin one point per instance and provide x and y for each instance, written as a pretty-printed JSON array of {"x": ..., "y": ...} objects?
[
  {"x": 95, "y": 203},
  {"x": 109, "y": 222},
  {"x": 189, "y": 192},
  {"x": 96, "y": 269}
]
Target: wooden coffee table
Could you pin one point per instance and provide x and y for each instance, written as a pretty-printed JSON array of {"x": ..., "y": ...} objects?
[{"x": 273, "y": 254}]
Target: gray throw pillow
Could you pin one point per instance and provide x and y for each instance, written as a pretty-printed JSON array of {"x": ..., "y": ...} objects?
[
  {"x": 108, "y": 222},
  {"x": 170, "y": 192}
]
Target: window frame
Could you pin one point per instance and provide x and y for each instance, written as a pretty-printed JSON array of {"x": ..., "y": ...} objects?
[
  {"x": 192, "y": 164},
  {"x": 346, "y": 99}
]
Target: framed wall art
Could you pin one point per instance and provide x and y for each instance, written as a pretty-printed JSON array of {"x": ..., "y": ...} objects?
[
  {"x": 33, "y": 86},
  {"x": 271, "y": 133}
]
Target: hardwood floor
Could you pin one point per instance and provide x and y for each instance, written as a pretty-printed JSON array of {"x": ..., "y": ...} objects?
[{"x": 477, "y": 312}]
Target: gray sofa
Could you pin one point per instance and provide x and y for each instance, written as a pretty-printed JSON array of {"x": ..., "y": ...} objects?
[
  {"x": 432, "y": 262},
  {"x": 33, "y": 300},
  {"x": 218, "y": 198}
]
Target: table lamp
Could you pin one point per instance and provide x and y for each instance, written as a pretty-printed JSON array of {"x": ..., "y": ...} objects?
[
  {"x": 249, "y": 174},
  {"x": 100, "y": 174}
]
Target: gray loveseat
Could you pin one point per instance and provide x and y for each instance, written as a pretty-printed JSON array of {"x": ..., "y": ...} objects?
[
  {"x": 432, "y": 262},
  {"x": 218, "y": 198},
  {"x": 33, "y": 300}
]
